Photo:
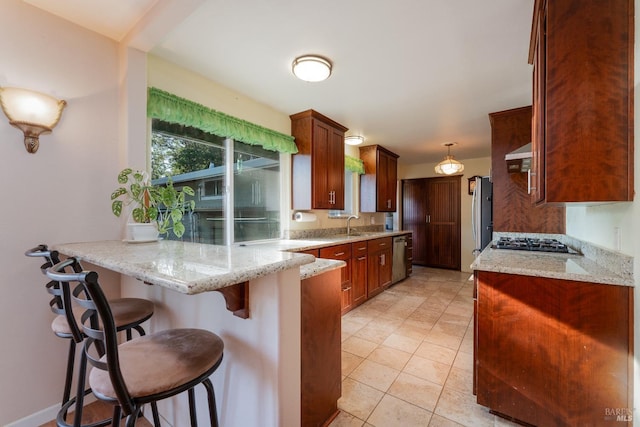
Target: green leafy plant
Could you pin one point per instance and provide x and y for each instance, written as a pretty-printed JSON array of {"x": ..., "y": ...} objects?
[{"x": 165, "y": 205}]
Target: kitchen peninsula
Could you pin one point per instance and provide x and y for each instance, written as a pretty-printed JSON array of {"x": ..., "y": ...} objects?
[
  {"x": 553, "y": 338},
  {"x": 259, "y": 381}
]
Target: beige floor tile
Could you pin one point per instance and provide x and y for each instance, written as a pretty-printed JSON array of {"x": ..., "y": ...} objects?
[
  {"x": 375, "y": 375},
  {"x": 415, "y": 390},
  {"x": 449, "y": 328},
  {"x": 395, "y": 412},
  {"x": 443, "y": 339},
  {"x": 426, "y": 369},
  {"x": 345, "y": 419},
  {"x": 350, "y": 362},
  {"x": 462, "y": 408},
  {"x": 400, "y": 342},
  {"x": 436, "y": 352},
  {"x": 408, "y": 329},
  {"x": 358, "y": 399},
  {"x": 391, "y": 357},
  {"x": 358, "y": 346},
  {"x": 351, "y": 326},
  {"x": 373, "y": 333},
  {"x": 464, "y": 361},
  {"x": 461, "y": 380},
  {"x": 439, "y": 421}
]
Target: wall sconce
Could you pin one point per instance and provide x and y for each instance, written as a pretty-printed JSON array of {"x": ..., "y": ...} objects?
[{"x": 32, "y": 112}]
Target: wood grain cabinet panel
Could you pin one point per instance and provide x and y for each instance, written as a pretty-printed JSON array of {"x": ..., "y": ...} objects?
[
  {"x": 317, "y": 170},
  {"x": 379, "y": 263},
  {"x": 359, "y": 273},
  {"x": 512, "y": 207},
  {"x": 321, "y": 364},
  {"x": 343, "y": 253},
  {"x": 582, "y": 52},
  {"x": 378, "y": 185},
  {"x": 553, "y": 352}
]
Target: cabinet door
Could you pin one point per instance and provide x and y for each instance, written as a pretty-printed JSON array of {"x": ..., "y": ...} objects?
[
  {"x": 385, "y": 273},
  {"x": 386, "y": 177},
  {"x": 443, "y": 223},
  {"x": 408, "y": 253},
  {"x": 319, "y": 160},
  {"x": 373, "y": 274},
  {"x": 414, "y": 216},
  {"x": 343, "y": 253},
  {"x": 537, "y": 172},
  {"x": 335, "y": 170},
  {"x": 359, "y": 266}
]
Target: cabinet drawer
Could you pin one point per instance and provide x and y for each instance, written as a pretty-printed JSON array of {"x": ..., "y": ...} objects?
[
  {"x": 359, "y": 249},
  {"x": 336, "y": 252},
  {"x": 379, "y": 244}
]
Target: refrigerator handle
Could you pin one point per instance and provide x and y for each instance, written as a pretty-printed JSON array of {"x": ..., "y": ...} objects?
[{"x": 473, "y": 215}]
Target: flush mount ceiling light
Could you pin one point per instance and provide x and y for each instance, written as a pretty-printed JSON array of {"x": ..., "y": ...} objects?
[
  {"x": 449, "y": 165},
  {"x": 32, "y": 112},
  {"x": 354, "y": 140},
  {"x": 311, "y": 68}
]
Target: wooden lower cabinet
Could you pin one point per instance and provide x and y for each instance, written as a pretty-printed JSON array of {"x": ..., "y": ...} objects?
[
  {"x": 551, "y": 352},
  {"x": 379, "y": 265},
  {"x": 359, "y": 254},
  {"x": 321, "y": 330},
  {"x": 343, "y": 253}
]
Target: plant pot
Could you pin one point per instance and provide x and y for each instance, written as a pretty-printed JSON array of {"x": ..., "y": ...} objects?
[{"x": 143, "y": 231}]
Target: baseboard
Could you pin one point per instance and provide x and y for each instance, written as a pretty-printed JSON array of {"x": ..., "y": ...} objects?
[{"x": 43, "y": 416}]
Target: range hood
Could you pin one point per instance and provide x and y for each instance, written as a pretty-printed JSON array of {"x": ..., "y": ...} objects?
[{"x": 519, "y": 160}]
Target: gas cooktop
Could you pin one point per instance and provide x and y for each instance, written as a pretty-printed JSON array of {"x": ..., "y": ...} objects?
[{"x": 532, "y": 244}]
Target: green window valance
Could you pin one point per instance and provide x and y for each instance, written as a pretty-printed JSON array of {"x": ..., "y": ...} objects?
[
  {"x": 354, "y": 164},
  {"x": 171, "y": 108}
]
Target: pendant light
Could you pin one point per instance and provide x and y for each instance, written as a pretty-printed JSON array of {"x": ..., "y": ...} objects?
[{"x": 449, "y": 165}]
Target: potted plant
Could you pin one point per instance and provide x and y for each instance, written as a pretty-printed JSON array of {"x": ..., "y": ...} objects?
[{"x": 155, "y": 209}]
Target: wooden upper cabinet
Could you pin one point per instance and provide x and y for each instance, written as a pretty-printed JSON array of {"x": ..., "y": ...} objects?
[
  {"x": 317, "y": 173},
  {"x": 378, "y": 184},
  {"x": 582, "y": 52}
]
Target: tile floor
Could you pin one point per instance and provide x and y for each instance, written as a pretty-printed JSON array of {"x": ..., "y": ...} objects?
[{"x": 407, "y": 356}]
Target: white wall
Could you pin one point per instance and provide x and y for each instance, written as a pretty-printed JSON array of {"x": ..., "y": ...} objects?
[
  {"x": 482, "y": 167},
  {"x": 44, "y": 53}
]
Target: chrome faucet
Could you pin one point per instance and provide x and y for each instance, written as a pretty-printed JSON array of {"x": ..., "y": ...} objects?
[{"x": 349, "y": 223}]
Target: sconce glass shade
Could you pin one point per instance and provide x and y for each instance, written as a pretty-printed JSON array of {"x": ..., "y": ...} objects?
[
  {"x": 32, "y": 112},
  {"x": 353, "y": 140},
  {"x": 449, "y": 165},
  {"x": 311, "y": 68}
]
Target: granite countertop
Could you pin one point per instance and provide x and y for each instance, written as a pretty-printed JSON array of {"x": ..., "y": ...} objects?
[
  {"x": 189, "y": 268},
  {"x": 575, "y": 267},
  {"x": 320, "y": 265}
]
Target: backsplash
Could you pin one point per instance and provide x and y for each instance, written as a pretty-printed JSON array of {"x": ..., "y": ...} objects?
[{"x": 616, "y": 262}]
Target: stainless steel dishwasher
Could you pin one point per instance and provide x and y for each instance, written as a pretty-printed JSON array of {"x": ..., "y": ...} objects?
[{"x": 399, "y": 268}]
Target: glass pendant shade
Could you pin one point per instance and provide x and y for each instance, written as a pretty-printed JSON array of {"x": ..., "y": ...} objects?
[
  {"x": 311, "y": 68},
  {"x": 449, "y": 165},
  {"x": 32, "y": 112}
]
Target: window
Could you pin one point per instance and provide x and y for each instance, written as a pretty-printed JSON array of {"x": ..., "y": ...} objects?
[
  {"x": 349, "y": 202},
  {"x": 236, "y": 185}
]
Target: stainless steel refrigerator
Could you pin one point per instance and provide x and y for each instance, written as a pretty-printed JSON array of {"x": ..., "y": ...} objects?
[{"x": 482, "y": 214}]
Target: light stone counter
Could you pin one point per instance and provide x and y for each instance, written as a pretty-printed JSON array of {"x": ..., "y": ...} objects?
[
  {"x": 188, "y": 268},
  {"x": 320, "y": 265},
  {"x": 552, "y": 265}
]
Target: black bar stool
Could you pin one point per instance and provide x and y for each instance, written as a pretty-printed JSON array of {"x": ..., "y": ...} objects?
[
  {"x": 146, "y": 369},
  {"x": 128, "y": 314}
]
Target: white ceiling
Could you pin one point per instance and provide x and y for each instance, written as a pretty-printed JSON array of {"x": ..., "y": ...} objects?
[{"x": 408, "y": 74}]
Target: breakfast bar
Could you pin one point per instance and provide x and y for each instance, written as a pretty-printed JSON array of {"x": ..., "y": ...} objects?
[{"x": 195, "y": 285}]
